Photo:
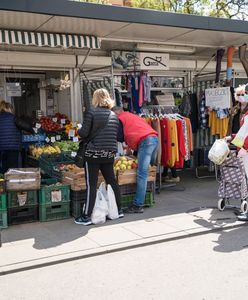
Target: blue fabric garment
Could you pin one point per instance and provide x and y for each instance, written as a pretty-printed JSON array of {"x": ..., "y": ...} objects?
[
  {"x": 147, "y": 153},
  {"x": 135, "y": 94},
  {"x": 10, "y": 135}
]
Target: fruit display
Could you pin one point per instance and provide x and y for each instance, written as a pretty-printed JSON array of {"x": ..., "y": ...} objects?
[
  {"x": 67, "y": 146},
  {"x": 60, "y": 117},
  {"x": 48, "y": 149},
  {"x": 71, "y": 126},
  {"x": 48, "y": 125},
  {"x": 68, "y": 167},
  {"x": 125, "y": 163}
]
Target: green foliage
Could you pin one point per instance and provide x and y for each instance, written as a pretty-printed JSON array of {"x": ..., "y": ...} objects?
[{"x": 216, "y": 8}]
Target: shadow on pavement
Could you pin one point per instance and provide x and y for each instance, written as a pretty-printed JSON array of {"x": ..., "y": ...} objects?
[{"x": 197, "y": 193}]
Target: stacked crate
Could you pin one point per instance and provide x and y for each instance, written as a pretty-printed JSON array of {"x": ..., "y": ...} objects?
[
  {"x": 22, "y": 186},
  {"x": 127, "y": 184},
  {"x": 54, "y": 202},
  {"x": 76, "y": 179},
  {"x": 3, "y": 211},
  {"x": 78, "y": 199}
]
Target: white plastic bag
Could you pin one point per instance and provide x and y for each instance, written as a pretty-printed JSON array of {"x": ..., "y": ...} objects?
[
  {"x": 103, "y": 189},
  {"x": 218, "y": 152},
  {"x": 112, "y": 206},
  {"x": 100, "y": 209},
  {"x": 109, "y": 195}
]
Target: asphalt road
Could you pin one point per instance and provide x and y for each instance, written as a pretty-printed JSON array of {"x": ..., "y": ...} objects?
[{"x": 206, "y": 267}]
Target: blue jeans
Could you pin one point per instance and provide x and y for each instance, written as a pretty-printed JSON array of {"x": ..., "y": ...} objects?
[{"x": 147, "y": 153}]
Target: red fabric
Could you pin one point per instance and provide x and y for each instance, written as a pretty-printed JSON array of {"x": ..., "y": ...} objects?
[
  {"x": 245, "y": 146},
  {"x": 135, "y": 129},
  {"x": 165, "y": 142},
  {"x": 181, "y": 145}
]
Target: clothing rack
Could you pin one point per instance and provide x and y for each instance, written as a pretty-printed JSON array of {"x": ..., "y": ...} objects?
[{"x": 166, "y": 109}]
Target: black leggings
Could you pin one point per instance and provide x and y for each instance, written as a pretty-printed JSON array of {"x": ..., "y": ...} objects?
[{"x": 91, "y": 175}]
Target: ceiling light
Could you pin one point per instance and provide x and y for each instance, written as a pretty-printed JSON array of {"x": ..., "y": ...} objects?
[{"x": 165, "y": 48}]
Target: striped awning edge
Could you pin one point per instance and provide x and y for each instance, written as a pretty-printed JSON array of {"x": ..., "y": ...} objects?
[{"x": 42, "y": 39}]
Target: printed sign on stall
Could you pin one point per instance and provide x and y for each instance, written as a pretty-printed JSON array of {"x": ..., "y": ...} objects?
[
  {"x": 218, "y": 97},
  {"x": 154, "y": 61}
]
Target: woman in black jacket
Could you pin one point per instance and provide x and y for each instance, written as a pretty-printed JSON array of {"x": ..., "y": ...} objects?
[
  {"x": 101, "y": 124},
  {"x": 11, "y": 137}
]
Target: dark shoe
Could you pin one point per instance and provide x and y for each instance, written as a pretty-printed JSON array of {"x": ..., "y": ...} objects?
[
  {"x": 83, "y": 221},
  {"x": 134, "y": 209},
  {"x": 121, "y": 214},
  {"x": 243, "y": 217}
]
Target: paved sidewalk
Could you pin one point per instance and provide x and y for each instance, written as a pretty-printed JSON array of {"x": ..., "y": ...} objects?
[{"x": 176, "y": 214}]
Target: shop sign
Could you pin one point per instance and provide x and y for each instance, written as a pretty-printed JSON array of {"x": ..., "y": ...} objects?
[
  {"x": 218, "y": 97},
  {"x": 154, "y": 61},
  {"x": 14, "y": 89}
]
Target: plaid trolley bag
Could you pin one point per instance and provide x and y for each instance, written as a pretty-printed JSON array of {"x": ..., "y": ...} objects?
[{"x": 233, "y": 182}]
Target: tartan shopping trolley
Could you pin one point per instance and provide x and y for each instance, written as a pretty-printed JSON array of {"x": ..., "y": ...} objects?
[{"x": 233, "y": 182}]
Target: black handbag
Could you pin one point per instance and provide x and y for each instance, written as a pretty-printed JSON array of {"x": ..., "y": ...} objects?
[{"x": 80, "y": 157}]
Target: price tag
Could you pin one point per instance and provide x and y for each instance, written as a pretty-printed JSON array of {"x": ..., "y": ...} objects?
[
  {"x": 55, "y": 120},
  {"x": 53, "y": 140},
  {"x": 62, "y": 121},
  {"x": 71, "y": 133},
  {"x": 47, "y": 140},
  {"x": 73, "y": 154},
  {"x": 75, "y": 139},
  {"x": 38, "y": 125},
  {"x": 58, "y": 137},
  {"x": 74, "y": 124}
]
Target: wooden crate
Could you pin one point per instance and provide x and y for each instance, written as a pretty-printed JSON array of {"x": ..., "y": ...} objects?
[
  {"x": 76, "y": 179},
  {"x": 22, "y": 179},
  {"x": 129, "y": 176}
]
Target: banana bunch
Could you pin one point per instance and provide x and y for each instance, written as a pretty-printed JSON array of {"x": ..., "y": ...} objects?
[{"x": 38, "y": 151}]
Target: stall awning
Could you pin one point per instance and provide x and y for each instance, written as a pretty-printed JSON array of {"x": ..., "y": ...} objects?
[{"x": 41, "y": 39}]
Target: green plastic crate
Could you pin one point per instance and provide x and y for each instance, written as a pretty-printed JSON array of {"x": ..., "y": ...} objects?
[
  {"x": 50, "y": 212},
  {"x": 3, "y": 219},
  {"x": 127, "y": 200},
  {"x": 23, "y": 198},
  {"x": 49, "y": 163},
  {"x": 3, "y": 202},
  {"x": 56, "y": 193},
  {"x": 76, "y": 208}
]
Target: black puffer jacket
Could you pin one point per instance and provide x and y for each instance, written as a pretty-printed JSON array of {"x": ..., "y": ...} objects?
[{"x": 106, "y": 136}]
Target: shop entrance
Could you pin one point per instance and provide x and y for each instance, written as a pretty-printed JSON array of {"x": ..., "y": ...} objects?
[{"x": 24, "y": 94}]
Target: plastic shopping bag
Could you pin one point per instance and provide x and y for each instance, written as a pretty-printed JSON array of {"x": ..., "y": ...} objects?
[
  {"x": 112, "y": 207},
  {"x": 100, "y": 209},
  {"x": 218, "y": 152},
  {"x": 103, "y": 189}
]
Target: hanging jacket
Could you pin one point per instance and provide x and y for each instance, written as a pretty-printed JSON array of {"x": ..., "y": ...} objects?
[
  {"x": 96, "y": 121},
  {"x": 10, "y": 135},
  {"x": 135, "y": 129}
]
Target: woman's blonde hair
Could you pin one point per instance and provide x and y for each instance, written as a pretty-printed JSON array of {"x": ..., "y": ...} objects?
[{"x": 101, "y": 98}]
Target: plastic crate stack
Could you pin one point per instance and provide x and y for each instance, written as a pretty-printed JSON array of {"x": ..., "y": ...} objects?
[
  {"x": 128, "y": 193},
  {"x": 3, "y": 211},
  {"x": 78, "y": 199},
  {"x": 54, "y": 201},
  {"x": 22, "y": 187},
  {"x": 127, "y": 184}
]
